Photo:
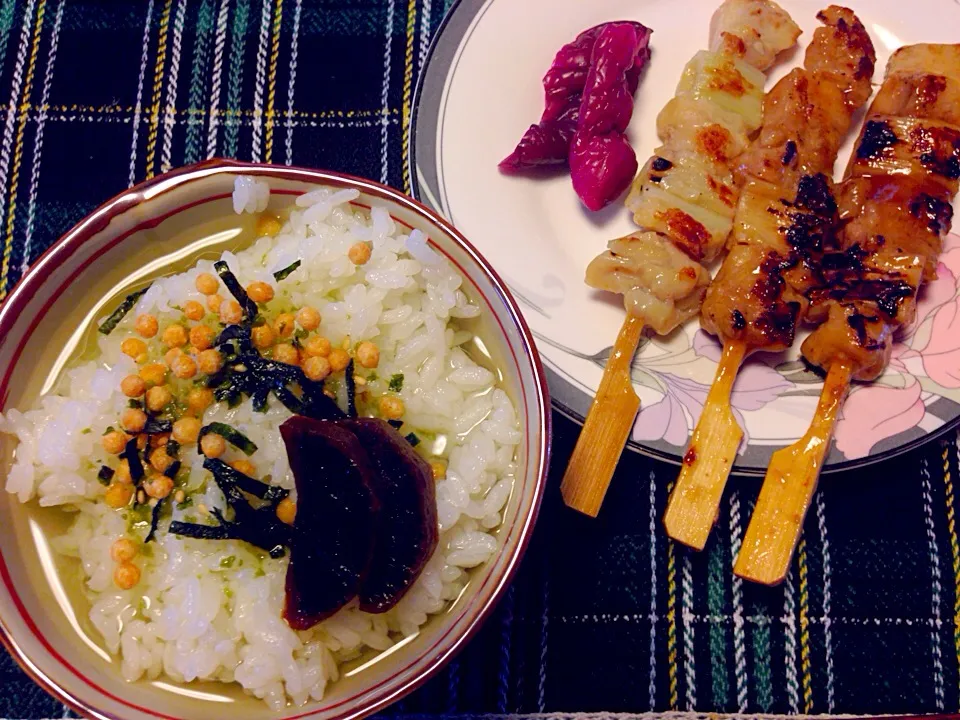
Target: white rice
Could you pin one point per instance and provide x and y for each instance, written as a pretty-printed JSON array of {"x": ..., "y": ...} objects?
[{"x": 211, "y": 610}]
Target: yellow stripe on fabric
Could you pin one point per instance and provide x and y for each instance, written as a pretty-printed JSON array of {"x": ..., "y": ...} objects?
[
  {"x": 157, "y": 88},
  {"x": 954, "y": 547},
  {"x": 805, "y": 629},
  {"x": 272, "y": 83},
  {"x": 18, "y": 146},
  {"x": 407, "y": 88}
]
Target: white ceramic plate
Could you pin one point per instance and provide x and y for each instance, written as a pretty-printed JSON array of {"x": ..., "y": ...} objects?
[{"x": 479, "y": 92}]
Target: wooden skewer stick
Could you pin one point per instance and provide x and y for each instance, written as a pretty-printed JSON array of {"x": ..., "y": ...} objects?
[
  {"x": 693, "y": 505},
  {"x": 606, "y": 428},
  {"x": 788, "y": 488}
]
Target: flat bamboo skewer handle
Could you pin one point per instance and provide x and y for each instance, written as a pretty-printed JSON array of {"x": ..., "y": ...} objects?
[
  {"x": 788, "y": 487},
  {"x": 606, "y": 428},
  {"x": 695, "y": 500}
]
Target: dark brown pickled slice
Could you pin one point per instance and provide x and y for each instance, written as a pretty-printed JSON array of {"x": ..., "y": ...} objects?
[
  {"x": 407, "y": 530},
  {"x": 337, "y": 510}
]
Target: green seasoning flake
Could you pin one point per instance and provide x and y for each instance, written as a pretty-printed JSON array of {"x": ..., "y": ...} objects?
[
  {"x": 234, "y": 437},
  {"x": 105, "y": 475},
  {"x": 228, "y": 562},
  {"x": 108, "y": 325},
  {"x": 396, "y": 382},
  {"x": 281, "y": 274}
]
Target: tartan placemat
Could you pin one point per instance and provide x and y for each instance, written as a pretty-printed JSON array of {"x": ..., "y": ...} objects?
[{"x": 606, "y": 617}]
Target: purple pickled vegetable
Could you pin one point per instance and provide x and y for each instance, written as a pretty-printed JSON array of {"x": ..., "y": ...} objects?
[
  {"x": 602, "y": 163},
  {"x": 548, "y": 142}
]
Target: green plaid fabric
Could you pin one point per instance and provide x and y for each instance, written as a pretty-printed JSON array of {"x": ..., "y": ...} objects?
[{"x": 606, "y": 616}]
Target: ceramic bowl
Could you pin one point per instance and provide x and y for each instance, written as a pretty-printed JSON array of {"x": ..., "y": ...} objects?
[{"x": 183, "y": 214}]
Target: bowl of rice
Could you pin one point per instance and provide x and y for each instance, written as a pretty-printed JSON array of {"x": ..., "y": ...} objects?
[{"x": 129, "y": 587}]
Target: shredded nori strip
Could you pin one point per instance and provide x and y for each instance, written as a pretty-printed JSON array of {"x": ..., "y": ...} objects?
[
  {"x": 200, "y": 532},
  {"x": 236, "y": 289},
  {"x": 282, "y": 274},
  {"x": 397, "y": 424},
  {"x": 172, "y": 447},
  {"x": 412, "y": 439},
  {"x": 232, "y": 436},
  {"x": 351, "y": 390},
  {"x": 246, "y": 372},
  {"x": 157, "y": 426},
  {"x": 226, "y": 475},
  {"x": 108, "y": 325},
  {"x": 171, "y": 472},
  {"x": 154, "y": 520},
  {"x": 135, "y": 404},
  {"x": 105, "y": 475},
  {"x": 132, "y": 456}
]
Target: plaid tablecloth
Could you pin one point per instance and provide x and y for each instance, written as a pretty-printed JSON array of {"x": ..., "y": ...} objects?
[{"x": 606, "y": 616}]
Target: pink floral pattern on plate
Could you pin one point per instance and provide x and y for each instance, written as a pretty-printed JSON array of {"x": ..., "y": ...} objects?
[{"x": 924, "y": 367}]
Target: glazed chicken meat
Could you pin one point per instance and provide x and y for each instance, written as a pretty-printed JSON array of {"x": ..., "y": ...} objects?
[
  {"x": 685, "y": 196},
  {"x": 787, "y": 211},
  {"x": 895, "y": 206}
]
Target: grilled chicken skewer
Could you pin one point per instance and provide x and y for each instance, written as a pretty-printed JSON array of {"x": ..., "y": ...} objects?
[
  {"x": 895, "y": 208},
  {"x": 785, "y": 211},
  {"x": 684, "y": 199}
]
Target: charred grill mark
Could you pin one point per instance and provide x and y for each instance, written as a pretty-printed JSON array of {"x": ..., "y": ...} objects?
[
  {"x": 949, "y": 167},
  {"x": 738, "y": 322},
  {"x": 858, "y": 322},
  {"x": 938, "y": 149},
  {"x": 726, "y": 78},
  {"x": 789, "y": 153},
  {"x": 929, "y": 88},
  {"x": 937, "y": 213},
  {"x": 713, "y": 141},
  {"x": 779, "y": 322},
  {"x": 724, "y": 193},
  {"x": 661, "y": 164},
  {"x": 815, "y": 195},
  {"x": 689, "y": 234},
  {"x": 877, "y": 136},
  {"x": 865, "y": 68}
]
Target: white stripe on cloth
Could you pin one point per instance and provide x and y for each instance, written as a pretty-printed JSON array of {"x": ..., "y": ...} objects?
[
  {"x": 934, "y": 586},
  {"x": 217, "y": 75},
  {"x": 171, "y": 105},
  {"x": 424, "y": 33},
  {"x": 294, "y": 47},
  {"x": 739, "y": 639},
  {"x": 790, "y": 643},
  {"x": 139, "y": 107},
  {"x": 827, "y": 635},
  {"x": 10, "y": 121},
  {"x": 38, "y": 145},
  {"x": 689, "y": 669},
  {"x": 261, "y": 78},
  {"x": 385, "y": 98}
]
